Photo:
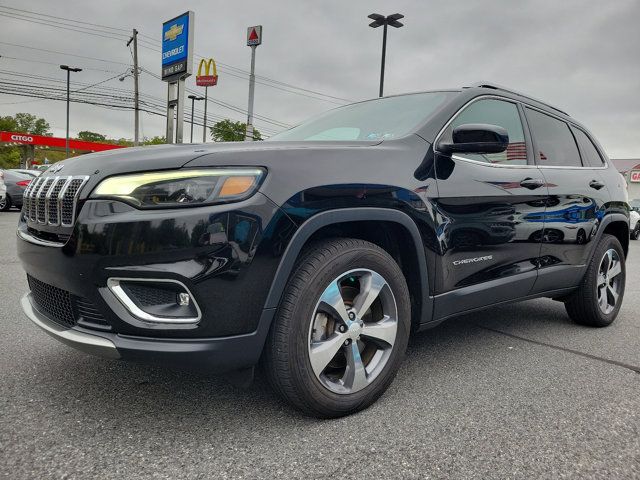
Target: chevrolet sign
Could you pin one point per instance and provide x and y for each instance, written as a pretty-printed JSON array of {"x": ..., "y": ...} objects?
[{"x": 177, "y": 46}]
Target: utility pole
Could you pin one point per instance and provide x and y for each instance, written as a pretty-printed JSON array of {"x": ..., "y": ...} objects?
[
  {"x": 69, "y": 70},
  {"x": 136, "y": 94}
]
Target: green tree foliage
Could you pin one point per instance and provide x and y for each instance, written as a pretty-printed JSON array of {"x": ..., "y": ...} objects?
[
  {"x": 23, "y": 123},
  {"x": 230, "y": 131},
  {"x": 88, "y": 136},
  {"x": 28, "y": 123},
  {"x": 154, "y": 141}
]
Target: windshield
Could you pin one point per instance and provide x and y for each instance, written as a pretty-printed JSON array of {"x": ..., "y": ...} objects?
[{"x": 380, "y": 119}]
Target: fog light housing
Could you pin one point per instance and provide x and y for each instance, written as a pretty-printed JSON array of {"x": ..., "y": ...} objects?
[{"x": 156, "y": 300}]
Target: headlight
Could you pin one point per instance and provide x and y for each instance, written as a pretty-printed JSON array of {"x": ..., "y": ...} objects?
[{"x": 178, "y": 188}]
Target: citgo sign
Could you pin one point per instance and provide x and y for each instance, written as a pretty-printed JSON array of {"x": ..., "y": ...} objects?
[{"x": 635, "y": 176}]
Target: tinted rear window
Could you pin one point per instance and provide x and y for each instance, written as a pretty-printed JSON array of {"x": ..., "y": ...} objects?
[
  {"x": 553, "y": 141},
  {"x": 590, "y": 155}
]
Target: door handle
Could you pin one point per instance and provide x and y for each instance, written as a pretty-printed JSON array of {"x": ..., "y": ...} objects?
[
  {"x": 596, "y": 184},
  {"x": 532, "y": 183}
]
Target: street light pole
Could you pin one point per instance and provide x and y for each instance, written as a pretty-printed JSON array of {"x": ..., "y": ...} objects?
[
  {"x": 204, "y": 128},
  {"x": 69, "y": 70},
  {"x": 193, "y": 99},
  {"x": 381, "y": 20}
]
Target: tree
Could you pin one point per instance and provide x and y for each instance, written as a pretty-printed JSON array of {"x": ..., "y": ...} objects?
[
  {"x": 88, "y": 136},
  {"x": 28, "y": 123},
  {"x": 154, "y": 141},
  {"x": 230, "y": 131},
  {"x": 8, "y": 124},
  {"x": 25, "y": 123}
]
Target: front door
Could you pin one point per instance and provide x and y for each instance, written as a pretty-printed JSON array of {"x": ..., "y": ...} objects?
[{"x": 489, "y": 209}]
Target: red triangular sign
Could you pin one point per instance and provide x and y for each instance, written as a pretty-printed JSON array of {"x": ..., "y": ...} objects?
[{"x": 253, "y": 35}]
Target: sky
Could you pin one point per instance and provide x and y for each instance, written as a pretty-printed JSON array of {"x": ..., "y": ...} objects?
[{"x": 579, "y": 55}]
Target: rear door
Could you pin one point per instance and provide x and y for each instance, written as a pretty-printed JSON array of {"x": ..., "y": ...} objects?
[
  {"x": 572, "y": 168},
  {"x": 490, "y": 214}
]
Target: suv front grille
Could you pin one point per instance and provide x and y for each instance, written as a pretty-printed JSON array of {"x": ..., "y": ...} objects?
[
  {"x": 52, "y": 200},
  {"x": 65, "y": 308}
]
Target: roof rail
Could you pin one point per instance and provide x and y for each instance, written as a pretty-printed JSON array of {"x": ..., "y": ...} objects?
[{"x": 505, "y": 89}]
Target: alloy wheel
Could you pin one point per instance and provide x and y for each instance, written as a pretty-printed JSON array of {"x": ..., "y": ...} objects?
[
  {"x": 353, "y": 331},
  {"x": 609, "y": 281}
]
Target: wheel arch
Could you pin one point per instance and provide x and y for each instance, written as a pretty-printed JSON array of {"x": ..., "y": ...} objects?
[
  {"x": 358, "y": 223},
  {"x": 617, "y": 224}
]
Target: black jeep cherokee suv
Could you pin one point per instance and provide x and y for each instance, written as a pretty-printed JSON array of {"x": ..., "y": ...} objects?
[{"x": 316, "y": 253}]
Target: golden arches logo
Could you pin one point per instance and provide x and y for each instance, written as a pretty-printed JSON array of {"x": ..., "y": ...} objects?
[
  {"x": 210, "y": 77},
  {"x": 207, "y": 65}
]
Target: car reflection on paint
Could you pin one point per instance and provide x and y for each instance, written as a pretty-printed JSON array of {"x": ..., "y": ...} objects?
[
  {"x": 466, "y": 226},
  {"x": 574, "y": 224}
]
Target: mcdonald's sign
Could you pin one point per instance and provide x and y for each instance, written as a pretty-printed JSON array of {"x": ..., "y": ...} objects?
[{"x": 210, "y": 77}]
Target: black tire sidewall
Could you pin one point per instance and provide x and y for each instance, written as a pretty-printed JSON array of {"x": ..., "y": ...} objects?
[
  {"x": 7, "y": 204},
  {"x": 583, "y": 306},
  {"x": 309, "y": 387}
]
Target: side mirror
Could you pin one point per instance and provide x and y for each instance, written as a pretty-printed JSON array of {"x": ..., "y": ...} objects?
[{"x": 476, "y": 138}]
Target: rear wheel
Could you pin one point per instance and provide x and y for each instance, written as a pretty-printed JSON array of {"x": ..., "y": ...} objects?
[
  {"x": 341, "y": 329},
  {"x": 597, "y": 302},
  {"x": 5, "y": 203},
  {"x": 635, "y": 233}
]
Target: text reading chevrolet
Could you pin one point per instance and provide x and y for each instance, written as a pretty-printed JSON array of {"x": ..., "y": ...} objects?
[{"x": 318, "y": 252}]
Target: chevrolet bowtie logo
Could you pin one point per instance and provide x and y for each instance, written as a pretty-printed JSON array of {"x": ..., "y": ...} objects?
[{"x": 173, "y": 32}]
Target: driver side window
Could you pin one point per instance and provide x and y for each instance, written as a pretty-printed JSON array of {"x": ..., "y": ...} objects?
[{"x": 494, "y": 112}]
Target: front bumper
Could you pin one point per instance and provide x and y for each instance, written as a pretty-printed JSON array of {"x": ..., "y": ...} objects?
[
  {"x": 217, "y": 355},
  {"x": 224, "y": 255}
]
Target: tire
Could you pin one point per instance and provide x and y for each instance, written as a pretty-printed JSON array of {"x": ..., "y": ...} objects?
[
  {"x": 303, "y": 323},
  {"x": 636, "y": 232},
  {"x": 604, "y": 277},
  {"x": 5, "y": 204}
]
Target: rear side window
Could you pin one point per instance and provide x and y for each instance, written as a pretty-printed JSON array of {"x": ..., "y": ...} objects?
[
  {"x": 590, "y": 155},
  {"x": 494, "y": 112},
  {"x": 553, "y": 140}
]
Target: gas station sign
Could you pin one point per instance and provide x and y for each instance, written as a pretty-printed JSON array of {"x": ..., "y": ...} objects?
[
  {"x": 634, "y": 176},
  {"x": 254, "y": 36}
]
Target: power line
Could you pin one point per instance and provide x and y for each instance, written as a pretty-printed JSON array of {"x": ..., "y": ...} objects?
[
  {"x": 152, "y": 44},
  {"x": 44, "y": 92},
  {"x": 63, "y": 53},
  {"x": 62, "y": 18}
]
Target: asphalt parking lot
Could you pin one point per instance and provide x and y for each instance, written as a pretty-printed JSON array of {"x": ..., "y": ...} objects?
[{"x": 512, "y": 392}]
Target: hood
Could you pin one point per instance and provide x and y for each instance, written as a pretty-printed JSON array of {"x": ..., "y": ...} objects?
[{"x": 162, "y": 157}]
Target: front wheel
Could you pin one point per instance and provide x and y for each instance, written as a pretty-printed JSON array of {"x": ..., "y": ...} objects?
[
  {"x": 597, "y": 301},
  {"x": 5, "y": 203},
  {"x": 341, "y": 330},
  {"x": 635, "y": 233}
]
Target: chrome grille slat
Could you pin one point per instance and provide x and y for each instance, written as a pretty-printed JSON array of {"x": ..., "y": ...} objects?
[
  {"x": 41, "y": 207},
  {"x": 52, "y": 200},
  {"x": 32, "y": 198},
  {"x": 53, "y": 217}
]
